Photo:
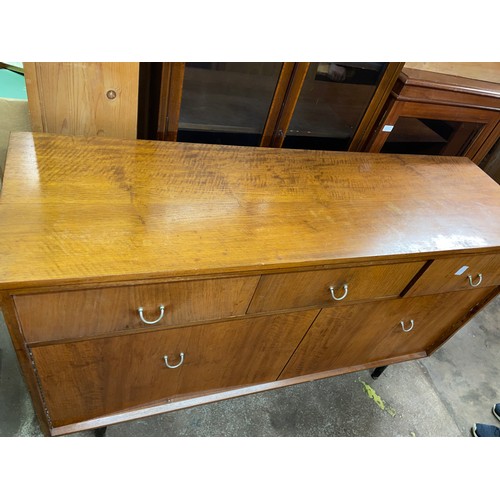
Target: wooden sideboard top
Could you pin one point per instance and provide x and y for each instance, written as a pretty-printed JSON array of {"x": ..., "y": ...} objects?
[{"x": 77, "y": 209}]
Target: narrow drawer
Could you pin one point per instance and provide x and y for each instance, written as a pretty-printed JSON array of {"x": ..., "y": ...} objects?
[
  {"x": 92, "y": 378},
  {"x": 277, "y": 292},
  {"x": 458, "y": 273},
  {"x": 86, "y": 313}
]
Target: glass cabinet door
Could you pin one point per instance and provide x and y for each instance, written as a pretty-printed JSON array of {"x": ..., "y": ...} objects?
[
  {"x": 226, "y": 102},
  {"x": 430, "y": 136},
  {"x": 332, "y": 102}
]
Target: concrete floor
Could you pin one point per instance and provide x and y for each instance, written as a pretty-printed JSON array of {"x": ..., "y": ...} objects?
[{"x": 438, "y": 396}]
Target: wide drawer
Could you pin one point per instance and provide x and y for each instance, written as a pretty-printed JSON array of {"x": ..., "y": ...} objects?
[
  {"x": 277, "y": 292},
  {"x": 458, "y": 273},
  {"x": 85, "y": 313},
  {"x": 91, "y": 378}
]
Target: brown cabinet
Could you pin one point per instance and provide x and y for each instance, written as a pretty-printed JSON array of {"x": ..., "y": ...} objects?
[
  {"x": 167, "y": 275},
  {"x": 434, "y": 113}
]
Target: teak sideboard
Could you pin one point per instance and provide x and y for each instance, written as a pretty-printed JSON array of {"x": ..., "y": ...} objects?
[{"x": 138, "y": 277}]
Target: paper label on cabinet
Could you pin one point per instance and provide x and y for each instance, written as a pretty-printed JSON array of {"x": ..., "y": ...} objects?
[
  {"x": 387, "y": 128},
  {"x": 461, "y": 270}
]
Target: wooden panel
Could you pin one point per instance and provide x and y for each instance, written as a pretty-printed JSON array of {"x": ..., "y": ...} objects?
[
  {"x": 363, "y": 333},
  {"x": 486, "y": 71},
  {"x": 430, "y": 79},
  {"x": 92, "y": 378},
  {"x": 77, "y": 209},
  {"x": 312, "y": 288},
  {"x": 84, "y": 313},
  {"x": 449, "y": 97},
  {"x": 441, "y": 276},
  {"x": 71, "y": 98}
]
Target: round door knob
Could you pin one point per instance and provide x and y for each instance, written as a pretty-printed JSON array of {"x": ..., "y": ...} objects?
[{"x": 111, "y": 94}]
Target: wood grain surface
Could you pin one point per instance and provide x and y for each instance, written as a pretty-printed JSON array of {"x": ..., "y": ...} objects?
[
  {"x": 91, "y": 378},
  {"x": 87, "y": 313},
  {"x": 312, "y": 288},
  {"x": 446, "y": 275},
  {"x": 71, "y": 98},
  {"x": 363, "y": 333},
  {"x": 76, "y": 209},
  {"x": 486, "y": 71}
]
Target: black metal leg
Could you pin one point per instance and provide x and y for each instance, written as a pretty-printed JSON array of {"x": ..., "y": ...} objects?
[
  {"x": 100, "y": 431},
  {"x": 377, "y": 372}
]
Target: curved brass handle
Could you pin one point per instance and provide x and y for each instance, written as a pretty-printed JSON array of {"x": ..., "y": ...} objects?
[
  {"x": 332, "y": 291},
  {"x": 165, "y": 358},
  {"x": 480, "y": 276},
  {"x": 412, "y": 324},
  {"x": 144, "y": 320}
]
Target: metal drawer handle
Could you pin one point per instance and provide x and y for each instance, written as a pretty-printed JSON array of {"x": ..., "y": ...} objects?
[
  {"x": 332, "y": 291},
  {"x": 480, "y": 276},
  {"x": 144, "y": 320},
  {"x": 178, "y": 364},
  {"x": 407, "y": 329}
]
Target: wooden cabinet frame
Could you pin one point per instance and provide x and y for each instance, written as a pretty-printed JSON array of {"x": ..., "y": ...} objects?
[
  {"x": 423, "y": 94},
  {"x": 286, "y": 95},
  {"x": 172, "y": 79}
]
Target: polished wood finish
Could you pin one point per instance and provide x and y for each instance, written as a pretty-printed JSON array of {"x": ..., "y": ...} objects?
[
  {"x": 425, "y": 94},
  {"x": 365, "y": 333},
  {"x": 376, "y": 105},
  {"x": 87, "y": 313},
  {"x": 280, "y": 95},
  {"x": 93, "y": 228},
  {"x": 206, "y": 397},
  {"x": 487, "y": 118},
  {"x": 288, "y": 105},
  {"x": 312, "y": 288},
  {"x": 172, "y": 79},
  {"x": 112, "y": 210},
  {"x": 464, "y": 88},
  {"x": 72, "y": 98},
  {"x": 485, "y": 71},
  {"x": 96, "y": 377},
  {"x": 441, "y": 276}
]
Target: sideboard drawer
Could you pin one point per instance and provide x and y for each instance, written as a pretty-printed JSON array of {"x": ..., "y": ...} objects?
[
  {"x": 91, "y": 378},
  {"x": 277, "y": 292},
  {"x": 86, "y": 313},
  {"x": 458, "y": 273}
]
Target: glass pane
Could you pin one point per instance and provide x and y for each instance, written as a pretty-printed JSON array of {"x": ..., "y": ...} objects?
[
  {"x": 430, "y": 137},
  {"x": 332, "y": 102},
  {"x": 226, "y": 102}
]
